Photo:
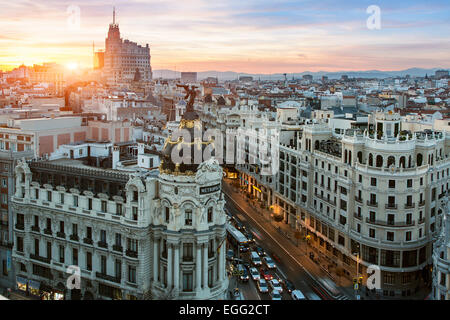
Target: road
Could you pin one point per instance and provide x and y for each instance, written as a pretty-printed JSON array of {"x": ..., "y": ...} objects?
[{"x": 289, "y": 266}]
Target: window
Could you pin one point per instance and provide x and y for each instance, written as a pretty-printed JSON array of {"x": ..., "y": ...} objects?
[
  {"x": 360, "y": 178},
  {"x": 75, "y": 201},
  {"x": 135, "y": 213},
  {"x": 188, "y": 217},
  {"x": 104, "y": 206},
  {"x": 408, "y": 236},
  {"x": 389, "y": 278},
  {"x": 90, "y": 204},
  {"x": 75, "y": 256},
  {"x": 36, "y": 193},
  {"x": 409, "y": 183},
  {"x": 19, "y": 244},
  {"x": 188, "y": 251},
  {"x": 210, "y": 214},
  {"x": 167, "y": 214},
  {"x": 187, "y": 281},
  {"x": 103, "y": 264},
  {"x": 391, "y": 184},
  {"x": 89, "y": 232},
  {"x": 132, "y": 245},
  {"x": 61, "y": 226},
  {"x": 390, "y": 236},
  {"x": 118, "y": 268},
  {"x": 132, "y": 274},
  {"x": 49, "y": 196},
  {"x": 36, "y": 247},
  {"x": 372, "y": 233},
  {"x": 119, "y": 209},
  {"x": 61, "y": 254},
  {"x": 103, "y": 236},
  {"x": 118, "y": 240},
  {"x": 373, "y": 182},
  {"x": 89, "y": 261},
  {"x": 74, "y": 229},
  {"x": 61, "y": 198}
]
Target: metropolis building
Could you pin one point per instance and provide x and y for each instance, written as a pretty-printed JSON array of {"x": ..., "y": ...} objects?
[
  {"x": 366, "y": 197},
  {"x": 124, "y": 60},
  {"x": 441, "y": 258},
  {"x": 136, "y": 232}
]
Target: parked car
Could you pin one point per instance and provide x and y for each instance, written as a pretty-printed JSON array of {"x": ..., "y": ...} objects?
[
  {"x": 262, "y": 286},
  {"x": 276, "y": 285},
  {"x": 269, "y": 262},
  {"x": 255, "y": 274},
  {"x": 297, "y": 295},
  {"x": 275, "y": 295},
  {"x": 265, "y": 274}
]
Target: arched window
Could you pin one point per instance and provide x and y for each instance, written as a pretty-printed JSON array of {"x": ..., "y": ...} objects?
[
  {"x": 379, "y": 161},
  {"x": 345, "y": 156},
  {"x": 349, "y": 157},
  {"x": 188, "y": 217},
  {"x": 370, "y": 160},
  {"x": 316, "y": 145},
  {"x": 409, "y": 162},
  {"x": 390, "y": 161},
  {"x": 210, "y": 214},
  {"x": 360, "y": 157},
  {"x": 419, "y": 159},
  {"x": 402, "y": 163}
]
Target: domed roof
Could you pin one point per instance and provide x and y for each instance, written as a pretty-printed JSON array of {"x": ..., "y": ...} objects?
[{"x": 184, "y": 147}]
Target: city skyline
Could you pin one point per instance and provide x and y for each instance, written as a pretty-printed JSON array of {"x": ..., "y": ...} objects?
[{"x": 250, "y": 37}]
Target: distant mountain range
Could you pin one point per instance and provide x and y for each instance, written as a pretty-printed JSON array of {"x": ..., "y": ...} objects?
[{"x": 230, "y": 75}]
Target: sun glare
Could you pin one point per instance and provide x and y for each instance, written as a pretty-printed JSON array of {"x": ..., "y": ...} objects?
[{"x": 72, "y": 65}]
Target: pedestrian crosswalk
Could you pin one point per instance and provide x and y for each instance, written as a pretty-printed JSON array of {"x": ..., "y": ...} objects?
[{"x": 342, "y": 297}]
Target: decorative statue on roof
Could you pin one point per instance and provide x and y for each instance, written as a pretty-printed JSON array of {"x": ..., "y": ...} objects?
[{"x": 190, "y": 93}]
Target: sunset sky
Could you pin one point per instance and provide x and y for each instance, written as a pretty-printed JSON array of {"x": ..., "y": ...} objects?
[{"x": 254, "y": 36}]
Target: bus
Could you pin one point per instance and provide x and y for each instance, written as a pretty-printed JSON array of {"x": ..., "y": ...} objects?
[{"x": 237, "y": 239}]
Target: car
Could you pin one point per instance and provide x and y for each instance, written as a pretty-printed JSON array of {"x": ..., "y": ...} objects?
[
  {"x": 230, "y": 253},
  {"x": 255, "y": 274},
  {"x": 275, "y": 295},
  {"x": 262, "y": 286},
  {"x": 250, "y": 237},
  {"x": 269, "y": 262},
  {"x": 239, "y": 225},
  {"x": 297, "y": 295},
  {"x": 289, "y": 286},
  {"x": 265, "y": 274},
  {"x": 260, "y": 251},
  {"x": 276, "y": 285},
  {"x": 256, "y": 260}
]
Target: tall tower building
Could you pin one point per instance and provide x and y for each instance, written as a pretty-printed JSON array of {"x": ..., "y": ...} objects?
[{"x": 124, "y": 58}]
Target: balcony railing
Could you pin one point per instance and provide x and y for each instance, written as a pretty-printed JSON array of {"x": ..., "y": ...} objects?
[
  {"x": 88, "y": 241},
  {"x": 107, "y": 277},
  {"x": 390, "y": 206},
  {"x": 421, "y": 203},
  {"x": 391, "y": 223},
  {"x": 102, "y": 244},
  {"x": 357, "y": 199},
  {"x": 20, "y": 226},
  {"x": 35, "y": 229},
  {"x": 372, "y": 204},
  {"x": 39, "y": 258},
  {"x": 48, "y": 231},
  {"x": 357, "y": 216},
  {"x": 410, "y": 205},
  {"x": 117, "y": 248},
  {"x": 132, "y": 254},
  {"x": 74, "y": 237},
  {"x": 61, "y": 235}
]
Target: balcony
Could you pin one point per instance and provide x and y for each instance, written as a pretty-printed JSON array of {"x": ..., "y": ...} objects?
[
  {"x": 420, "y": 221},
  {"x": 104, "y": 276},
  {"x": 35, "y": 229},
  {"x": 117, "y": 248},
  {"x": 39, "y": 258},
  {"x": 48, "y": 232},
  {"x": 102, "y": 244},
  {"x": 398, "y": 224},
  {"x": 357, "y": 216},
  {"x": 88, "y": 241},
  {"x": 391, "y": 206},
  {"x": 357, "y": 199},
  {"x": 74, "y": 237},
  {"x": 61, "y": 235},
  {"x": 410, "y": 205},
  {"x": 131, "y": 254},
  {"x": 372, "y": 204},
  {"x": 421, "y": 203},
  {"x": 19, "y": 226}
]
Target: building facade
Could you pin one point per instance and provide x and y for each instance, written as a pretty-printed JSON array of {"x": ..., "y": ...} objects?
[{"x": 441, "y": 258}]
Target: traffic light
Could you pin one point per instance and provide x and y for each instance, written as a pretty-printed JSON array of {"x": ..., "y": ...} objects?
[{"x": 360, "y": 280}]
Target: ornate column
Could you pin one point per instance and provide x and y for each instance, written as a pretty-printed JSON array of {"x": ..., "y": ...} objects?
[
  {"x": 155, "y": 260},
  {"x": 169, "y": 265},
  {"x": 205, "y": 265},
  {"x": 198, "y": 267},
  {"x": 220, "y": 258},
  {"x": 176, "y": 267}
]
